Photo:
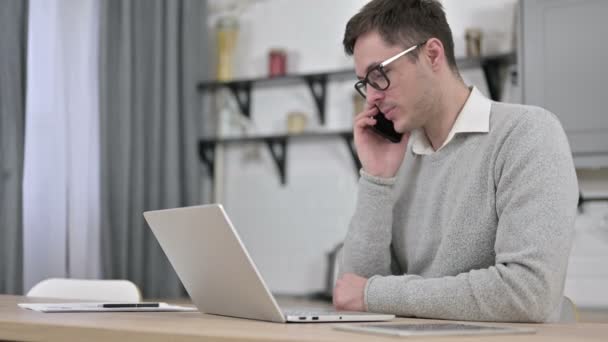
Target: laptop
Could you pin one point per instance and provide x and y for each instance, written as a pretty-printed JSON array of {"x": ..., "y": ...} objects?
[{"x": 213, "y": 264}]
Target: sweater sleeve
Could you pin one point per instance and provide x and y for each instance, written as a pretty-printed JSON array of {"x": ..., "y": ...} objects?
[
  {"x": 366, "y": 251},
  {"x": 536, "y": 196}
]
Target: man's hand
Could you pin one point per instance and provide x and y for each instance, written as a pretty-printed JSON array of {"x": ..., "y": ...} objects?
[
  {"x": 379, "y": 157},
  {"x": 348, "y": 292}
]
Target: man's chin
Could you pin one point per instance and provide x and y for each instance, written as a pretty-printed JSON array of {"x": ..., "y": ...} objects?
[
  {"x": 404, "y": 126},
  {"x": 401, "y": 127}
]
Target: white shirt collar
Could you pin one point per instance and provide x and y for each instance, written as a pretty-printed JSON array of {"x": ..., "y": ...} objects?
[{"x": 473, "y": 118}]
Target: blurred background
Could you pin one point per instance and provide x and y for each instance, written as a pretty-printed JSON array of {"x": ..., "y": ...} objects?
[{"x": 113, "y": 107}]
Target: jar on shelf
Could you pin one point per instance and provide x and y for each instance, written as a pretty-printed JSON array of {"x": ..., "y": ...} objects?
[
  {"x": 277, "y": 62},
  {"x": 296, "y": 122},
  {"x": 227, "y": 29},
  {"x": 473, "y": 38}
]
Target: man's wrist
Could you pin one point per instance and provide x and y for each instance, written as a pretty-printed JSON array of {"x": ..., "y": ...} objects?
[
  {"x": 381, "y": 173},
  {"x": 365, "y": 292},
  {"x": 377, "y": 179}
]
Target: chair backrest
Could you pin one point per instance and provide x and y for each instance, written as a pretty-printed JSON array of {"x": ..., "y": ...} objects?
[{"x": 87, "y": 289}]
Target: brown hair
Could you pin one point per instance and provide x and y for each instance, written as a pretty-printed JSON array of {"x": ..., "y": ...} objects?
[{"x": 405, "y": 22}]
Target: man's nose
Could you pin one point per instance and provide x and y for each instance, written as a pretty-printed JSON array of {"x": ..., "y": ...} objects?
[{"x": 373, "y": 96}]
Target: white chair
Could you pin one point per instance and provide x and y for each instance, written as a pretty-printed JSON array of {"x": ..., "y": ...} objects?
[{"x": 87, "y": 289}]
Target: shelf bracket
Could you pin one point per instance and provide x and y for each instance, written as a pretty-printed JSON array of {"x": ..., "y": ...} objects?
[
  {"x": 242, "y": 94},
  {"x": 318, "y": 88},
  {"x": 206, "y": 151},
  {"x": 582, "y": 200},
  {"x": 348, "y": 139},
  {"x": 494, "y": 72},
  {"x": 278, "y": 150}
]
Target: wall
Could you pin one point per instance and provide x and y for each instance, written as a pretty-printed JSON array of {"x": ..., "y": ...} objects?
[
  {"x": 587, "y": 278},
  {"x": 289, "y": 229}
]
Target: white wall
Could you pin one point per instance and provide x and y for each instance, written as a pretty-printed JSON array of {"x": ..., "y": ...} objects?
[{"x": 288, "y": 229}]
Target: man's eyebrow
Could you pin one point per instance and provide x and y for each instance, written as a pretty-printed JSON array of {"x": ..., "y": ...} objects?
[{"x": 369, "y": 67}]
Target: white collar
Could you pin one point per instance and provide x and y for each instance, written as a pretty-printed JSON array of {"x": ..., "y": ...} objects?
[{"x": 473, "y": 118}]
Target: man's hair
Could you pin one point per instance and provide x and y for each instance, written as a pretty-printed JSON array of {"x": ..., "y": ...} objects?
[{"x": 405, "y": 22}]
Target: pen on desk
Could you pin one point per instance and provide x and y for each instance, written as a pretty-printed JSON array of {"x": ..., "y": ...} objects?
[{"x": 129, "y": 305}]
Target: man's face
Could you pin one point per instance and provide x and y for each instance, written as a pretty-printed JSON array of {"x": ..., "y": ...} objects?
[{"x": 407, "y": 101}]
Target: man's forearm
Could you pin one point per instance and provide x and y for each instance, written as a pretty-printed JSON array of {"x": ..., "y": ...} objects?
[
  {"x": 366, "y": 250},
  {"x": 507, "y": 293}
]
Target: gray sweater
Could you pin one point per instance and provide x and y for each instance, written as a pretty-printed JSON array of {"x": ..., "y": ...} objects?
[{"x": 480, "y": 230}]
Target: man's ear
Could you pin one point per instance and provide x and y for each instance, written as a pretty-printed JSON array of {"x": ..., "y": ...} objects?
[{"x": 434, "y": 53}]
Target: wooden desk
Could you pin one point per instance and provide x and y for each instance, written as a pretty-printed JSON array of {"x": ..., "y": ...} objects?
[{"x": 17, "y": 324}]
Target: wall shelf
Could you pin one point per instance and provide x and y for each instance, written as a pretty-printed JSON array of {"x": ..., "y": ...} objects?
[
  {"x": 277, "y": 144},
  {"x": 317, "y": 82},
  {"x": 582, "y": 199},
  {"x": 492, "y": 66}
]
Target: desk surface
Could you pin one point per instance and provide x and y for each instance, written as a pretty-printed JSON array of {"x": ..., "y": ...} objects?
[{"x": 18, "y": 324}]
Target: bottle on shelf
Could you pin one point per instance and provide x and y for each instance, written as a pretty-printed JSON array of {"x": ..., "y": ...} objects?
[{"x": 227, "y": 33}]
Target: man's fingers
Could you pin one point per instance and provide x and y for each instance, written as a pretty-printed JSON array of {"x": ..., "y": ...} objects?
[
  {"x": 367, "y": 113},
  {"x": 364, "y": 122}
]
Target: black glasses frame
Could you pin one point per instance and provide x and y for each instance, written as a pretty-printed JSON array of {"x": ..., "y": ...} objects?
[{"x": 361, "y": 85}]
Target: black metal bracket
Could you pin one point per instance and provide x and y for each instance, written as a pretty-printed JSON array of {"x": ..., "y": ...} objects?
[
  {"x": 494, "y": 71},
  {"x": 348, "y": 139},
  {"x": 206, "y": 151},
  {"x": 277, "y": 144},
  {"x": 582, "y": 200},
  {"x": 318, "y": 88},
  {"x": 242, "y": 94},
  {"x": 278, "y": 150}
]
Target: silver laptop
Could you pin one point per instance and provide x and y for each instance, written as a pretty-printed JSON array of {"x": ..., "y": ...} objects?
[{"x": 218, "y": 273}]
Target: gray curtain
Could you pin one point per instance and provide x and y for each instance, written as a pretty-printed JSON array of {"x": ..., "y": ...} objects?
[
  {"x": 13, "y": 46},
  {"x": 152, "y": 55}
]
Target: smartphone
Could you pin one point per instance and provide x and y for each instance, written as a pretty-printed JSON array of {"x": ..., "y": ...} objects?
[{"x": 385, "y": 128}]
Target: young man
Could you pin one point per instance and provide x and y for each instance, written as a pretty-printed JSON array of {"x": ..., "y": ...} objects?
[{"x": 471, "y": 215}]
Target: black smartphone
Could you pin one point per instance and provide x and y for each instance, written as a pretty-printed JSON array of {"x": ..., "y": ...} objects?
[{"x": 385, "y": 128}]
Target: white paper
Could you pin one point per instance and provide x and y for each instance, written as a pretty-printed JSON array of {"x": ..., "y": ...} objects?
[{"x": 97, "y": 307}]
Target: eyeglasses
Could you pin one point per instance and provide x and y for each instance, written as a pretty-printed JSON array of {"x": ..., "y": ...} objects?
[{"x": 377, "y": 77}]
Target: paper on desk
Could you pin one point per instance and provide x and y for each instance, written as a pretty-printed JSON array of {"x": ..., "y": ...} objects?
[{"x": 96, "y": 307}]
